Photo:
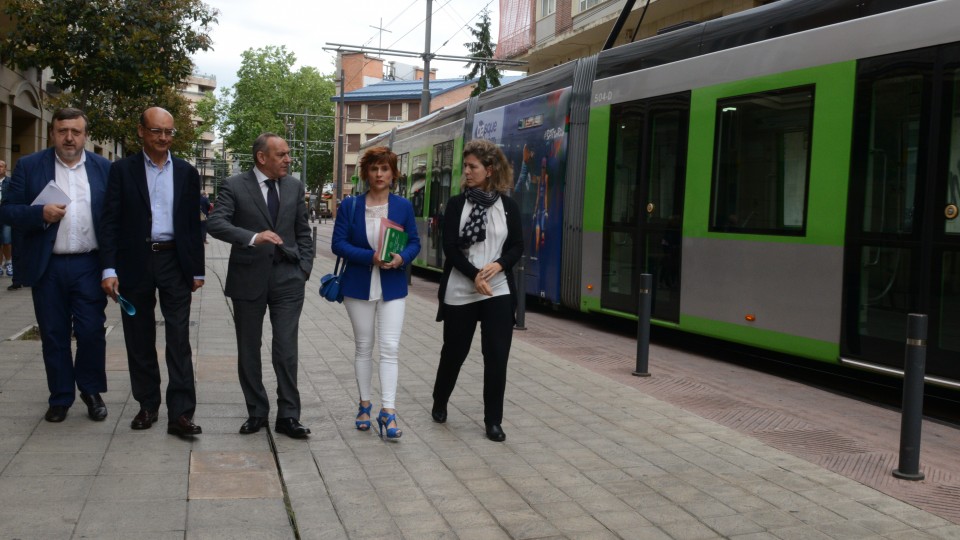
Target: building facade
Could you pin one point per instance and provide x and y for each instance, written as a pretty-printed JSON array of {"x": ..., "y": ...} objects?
[
  {"x": 379, "y": 96},
  {"x": 194, "y": 88},
  {"x": 547, "y": 33}
]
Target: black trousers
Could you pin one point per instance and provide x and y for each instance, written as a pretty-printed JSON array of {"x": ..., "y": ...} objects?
[
  {"x": 161, "y": 274},
  {"x": 495, "y": 316}
]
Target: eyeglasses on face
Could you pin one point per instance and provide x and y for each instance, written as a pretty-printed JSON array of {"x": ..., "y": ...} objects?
[{"x": 159, "y": 131}]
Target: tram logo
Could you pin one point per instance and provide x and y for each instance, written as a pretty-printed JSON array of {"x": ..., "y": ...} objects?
[{"x": 485, "y": 130}]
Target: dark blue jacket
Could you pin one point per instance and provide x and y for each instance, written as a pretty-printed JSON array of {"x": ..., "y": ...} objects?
[
  {"x": 31, "y": 175},
  {"x": 359, "y": 254}
]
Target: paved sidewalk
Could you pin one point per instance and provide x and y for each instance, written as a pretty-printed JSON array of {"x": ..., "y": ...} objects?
[{"x": 585, "y": 457}]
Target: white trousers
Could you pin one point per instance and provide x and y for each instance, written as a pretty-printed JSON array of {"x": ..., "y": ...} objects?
[{"x": 387, "y": 318}]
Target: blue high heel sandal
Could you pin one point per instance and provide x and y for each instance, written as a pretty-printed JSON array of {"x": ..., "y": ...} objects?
[
  {"x": 364, "y": 425},
  {"x": 384, "y": 420}
]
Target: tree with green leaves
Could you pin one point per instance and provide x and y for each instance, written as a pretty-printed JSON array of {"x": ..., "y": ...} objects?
[
  {"x": 267, "y": 86},
  {"x": 487, "y": 75},
  {"x": 112, "y": 59}
]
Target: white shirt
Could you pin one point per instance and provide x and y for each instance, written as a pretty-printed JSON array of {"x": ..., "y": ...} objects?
[
  {"x": 461, "y": 290},
  {"x": 372, "y": 216},
  {"x": 76, "y": 233}
]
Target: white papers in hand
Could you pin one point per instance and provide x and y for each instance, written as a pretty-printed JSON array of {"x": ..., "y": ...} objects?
[{"x": 51, "y": 194}]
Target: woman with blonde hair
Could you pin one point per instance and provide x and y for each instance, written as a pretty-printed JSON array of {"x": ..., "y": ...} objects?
[
  {"x": 374, "y": 289},
  {"x": 482, "y": 240}
]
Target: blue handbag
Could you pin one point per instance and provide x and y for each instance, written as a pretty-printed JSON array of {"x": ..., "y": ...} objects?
[{"x": 330, "y": 284}]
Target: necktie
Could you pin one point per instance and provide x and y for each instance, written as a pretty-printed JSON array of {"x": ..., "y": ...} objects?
[{"x": 273, "y": 200}]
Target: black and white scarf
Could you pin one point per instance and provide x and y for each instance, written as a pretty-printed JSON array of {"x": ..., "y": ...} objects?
[{"x": 475, "y": 230}]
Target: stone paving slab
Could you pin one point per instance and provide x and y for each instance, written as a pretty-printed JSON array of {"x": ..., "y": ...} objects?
[{"x": 586, "y": 457}]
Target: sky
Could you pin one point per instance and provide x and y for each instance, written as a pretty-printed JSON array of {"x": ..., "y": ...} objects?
[{"x": 306, "y": 26}]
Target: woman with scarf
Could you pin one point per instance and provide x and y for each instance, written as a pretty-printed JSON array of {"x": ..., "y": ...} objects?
[{"x": 482, "y": 240}]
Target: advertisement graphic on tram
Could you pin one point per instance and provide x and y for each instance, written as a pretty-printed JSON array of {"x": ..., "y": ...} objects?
[{"x": 533, "y": 135}]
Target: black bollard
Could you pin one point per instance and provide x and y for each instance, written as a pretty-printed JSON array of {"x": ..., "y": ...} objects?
[
  {"x": 643, "y": 326},
  {"x": 912, "y": 411},
  {"x": 521, "y": 294},
  {"x": 314, "y": 241}
]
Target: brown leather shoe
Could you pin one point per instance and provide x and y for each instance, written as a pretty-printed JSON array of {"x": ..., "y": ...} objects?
[
  {"x": 144, "y": 419},
  {"x": 183, "y": 426}
]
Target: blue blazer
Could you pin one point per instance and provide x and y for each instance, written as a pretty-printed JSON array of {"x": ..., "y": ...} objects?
[
  {"x": 31, "y": 175},
  {"x": 359, "y": 254}
]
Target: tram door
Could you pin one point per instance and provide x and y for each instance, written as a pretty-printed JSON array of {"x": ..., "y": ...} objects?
[
  {"x": 644, "y": 204},
  {"x": 903, "y": 230}
]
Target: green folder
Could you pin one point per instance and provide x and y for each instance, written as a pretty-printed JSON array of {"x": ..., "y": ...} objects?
[{"x": 394, "y": 240}]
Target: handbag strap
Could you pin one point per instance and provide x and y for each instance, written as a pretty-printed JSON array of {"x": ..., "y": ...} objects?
[{"x": 353, "y": 206}]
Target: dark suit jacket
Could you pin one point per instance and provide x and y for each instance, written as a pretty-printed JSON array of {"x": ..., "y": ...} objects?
[
  {"x": 240, "y": 212},
  {"x": 31, "y": 175},
  {"x": 127, "y": 220},
  {"x": 357, "y": 250}
]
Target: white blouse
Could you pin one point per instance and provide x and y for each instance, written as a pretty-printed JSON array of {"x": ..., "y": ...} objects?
[
  {"x": 461, "y": 290},
  {"x": 372, "y": 215}
]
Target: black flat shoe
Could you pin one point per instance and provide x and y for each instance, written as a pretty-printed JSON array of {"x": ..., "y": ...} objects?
[
  {"x": 439, "y": 414},
  {"x": 291, "y": 427},
  {"x": 96, "y": 408},
  {"x": 495, "y": 433},
  {"x": 56, "y": 413},
  {"x": 253, "y": 424}
]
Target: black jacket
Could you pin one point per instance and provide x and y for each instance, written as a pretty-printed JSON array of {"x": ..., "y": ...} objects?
[{"x": 454, "y": 257}]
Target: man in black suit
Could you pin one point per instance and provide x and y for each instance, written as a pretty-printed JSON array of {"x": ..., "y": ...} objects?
[
  {"x": 151, "y": 242},
  {"x": 263, "y": 214}
]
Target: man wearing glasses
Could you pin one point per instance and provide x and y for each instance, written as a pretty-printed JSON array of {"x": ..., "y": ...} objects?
[
  {"x": 58, "y": 259},
  {"x": 150, "y": 241}
]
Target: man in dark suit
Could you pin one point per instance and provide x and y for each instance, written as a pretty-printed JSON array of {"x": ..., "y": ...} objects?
[
  {"x": 151, "y": 242},
  {"x": 58, "y": 259},
  {"x": 262, "y": 213}
]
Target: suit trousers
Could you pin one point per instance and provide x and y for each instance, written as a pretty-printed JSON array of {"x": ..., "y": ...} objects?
[
  {"x": 70, "y": 289},
  {"x": 495, "y": 316},
  {"x": 284, "y": 297},
  {"x": 163, "y": 277}
]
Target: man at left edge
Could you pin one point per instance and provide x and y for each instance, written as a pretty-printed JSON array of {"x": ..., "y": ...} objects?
[{"x": 58, "y": 259}]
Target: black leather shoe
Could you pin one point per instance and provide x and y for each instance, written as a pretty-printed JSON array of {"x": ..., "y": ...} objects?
[
  {"x": 144, "y": 419},
  {"x": 291, "y": 427},
  {"x": 56, "y": 413},
  {"x": 15, "y": 287},
  {"x": 439, "y": 414},
  {"x": 184, "y": 427},
  {"x": 495, "y": 433},
  {"x": 253, "y": 424},
  {"x": 96, "y": 408}
]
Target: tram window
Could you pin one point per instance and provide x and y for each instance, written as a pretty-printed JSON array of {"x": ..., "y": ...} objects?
[
  {"x": 400, "y": 184},
  {"x": 761, "y": 162}
]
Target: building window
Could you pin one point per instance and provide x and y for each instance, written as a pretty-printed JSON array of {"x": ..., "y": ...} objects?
[
  {"x": 379, "y": 111},
  {"x": 396, "y": 112},
  {"x": 547, "y": 7},
  {"x": 413, "y": 111},
  {"x": 762, "y": 162},
  {"x": 587, "y": 4},
  {"x": 353, "y": 142},
  {"x": 354, "y": 112},
  {"x": 350, "y": 170}
]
